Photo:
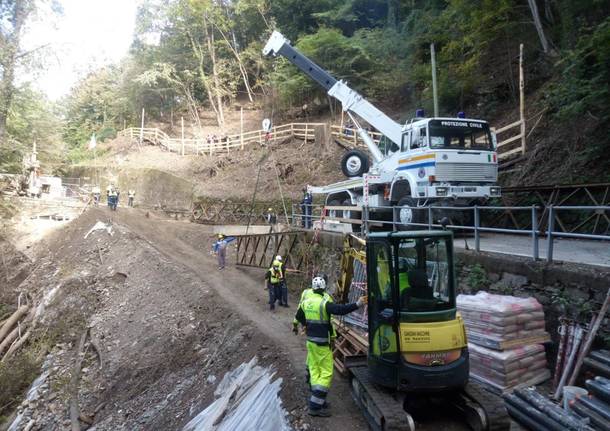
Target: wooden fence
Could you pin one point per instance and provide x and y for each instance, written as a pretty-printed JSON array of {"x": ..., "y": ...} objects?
[
  {"x": 304, "y": 131},
  {"x": 224, "y": 144}
]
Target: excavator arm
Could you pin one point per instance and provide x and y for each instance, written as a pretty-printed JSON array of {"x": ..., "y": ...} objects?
[{"x": 351, "y": 101}]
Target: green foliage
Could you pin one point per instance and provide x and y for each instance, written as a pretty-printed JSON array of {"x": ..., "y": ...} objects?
[
  {"x": 477, "y": 278},
  {"x": 106, "y": 133},
  {"x": 16, "y": 375},
  {"x": 578, "y": 308},
  {"x": 31, "y": 118},
  {"x": 330, "y": 48},
  {"x": 584, "y": 86},
  {"x": 97, "y": 104},
  {"x": 187, "y": 54}
]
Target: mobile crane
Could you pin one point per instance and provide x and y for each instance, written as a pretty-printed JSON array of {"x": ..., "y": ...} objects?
[{"x": 440, "y": 161}]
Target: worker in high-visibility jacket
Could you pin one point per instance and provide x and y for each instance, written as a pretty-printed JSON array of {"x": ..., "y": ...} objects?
[
  {"x": 283, "y": 286},
  {"x": 333, "y": 335},
  {"x": 274, "y": 277},
  {"x": 314, "y": 314}
]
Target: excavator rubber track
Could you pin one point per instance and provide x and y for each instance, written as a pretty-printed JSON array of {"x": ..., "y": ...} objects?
[
  {"x": 495, "y": 411},
  {"x": 481, "y": 409},
  {"x": 381, "y": 409}
]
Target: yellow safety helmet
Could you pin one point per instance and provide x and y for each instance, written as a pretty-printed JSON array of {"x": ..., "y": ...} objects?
[
  {"x": 276, "y": 263},
  {"x": 220, "y": 236},
  {"x": 270, "y": 209}
]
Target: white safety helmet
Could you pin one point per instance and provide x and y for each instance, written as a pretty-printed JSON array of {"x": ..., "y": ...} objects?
[
  {"x": 278, "y": 257},
  {"x": 318, "y": 283}
]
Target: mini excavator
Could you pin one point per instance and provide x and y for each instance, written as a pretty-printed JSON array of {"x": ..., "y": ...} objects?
[{"x": 417, "y": 359}]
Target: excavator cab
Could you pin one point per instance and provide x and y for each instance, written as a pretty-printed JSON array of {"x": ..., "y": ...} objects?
[{"x": 417, "y": 340}]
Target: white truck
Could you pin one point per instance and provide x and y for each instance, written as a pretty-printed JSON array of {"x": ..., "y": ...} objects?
[{"x": 426, "y": 161}]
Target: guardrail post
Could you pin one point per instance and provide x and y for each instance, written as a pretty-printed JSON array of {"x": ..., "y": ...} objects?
[
  {"x": 393, "y": 218},
  {"x": 365, "y": 218},
  {"x": 549, "y": 236},
  {"x": 477, "y": 224},
  {"x": 535, "y": 251},
  {"x": 430, "y": 221}
]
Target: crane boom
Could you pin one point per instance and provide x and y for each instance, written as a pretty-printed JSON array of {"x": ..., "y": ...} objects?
[{"x": 350, "y": 99}]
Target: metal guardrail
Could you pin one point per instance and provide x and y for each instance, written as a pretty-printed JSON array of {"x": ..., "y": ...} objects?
[{"x": 321, "y": 213}]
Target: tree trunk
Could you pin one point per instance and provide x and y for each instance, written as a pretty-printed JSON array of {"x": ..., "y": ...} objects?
[
  {"x": 198, "y": 51},
  {"x": 9, "y": 51},
  {"x": 242, "y": 69},
  {"x": 209, "y": 37},
  {"x": 538, "y": 25}
]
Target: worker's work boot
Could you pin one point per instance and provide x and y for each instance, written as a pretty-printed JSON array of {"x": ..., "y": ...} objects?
[{"x": 323, "y": 413}]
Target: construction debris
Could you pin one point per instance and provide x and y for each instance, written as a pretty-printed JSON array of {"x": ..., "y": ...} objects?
[
  {"x": 100, "y": 226},
  {"x": 246, "y": 399}
]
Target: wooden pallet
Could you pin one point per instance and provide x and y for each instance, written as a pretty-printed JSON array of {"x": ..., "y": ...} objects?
[{"x": 350, "y": 344}]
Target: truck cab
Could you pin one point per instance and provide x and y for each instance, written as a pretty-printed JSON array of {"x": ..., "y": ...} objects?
[{"x": 442, "y": 158}]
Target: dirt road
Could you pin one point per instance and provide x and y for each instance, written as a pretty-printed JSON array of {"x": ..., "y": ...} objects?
[{"x": 243, "y": 291}]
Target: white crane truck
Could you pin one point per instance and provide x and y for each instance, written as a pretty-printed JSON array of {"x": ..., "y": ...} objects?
[{"x": 426, "y": 161}]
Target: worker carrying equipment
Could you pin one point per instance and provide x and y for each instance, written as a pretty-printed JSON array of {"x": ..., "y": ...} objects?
[
  {"x": 274, "y": 282},
  {"x": 314, "y": 314},
  {"x": 220, "y": 249}
]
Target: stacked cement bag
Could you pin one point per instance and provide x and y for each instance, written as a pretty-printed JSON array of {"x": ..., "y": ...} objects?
[
  {"x": 506, "y": 369},
  {"x": 505, "y": 336}
]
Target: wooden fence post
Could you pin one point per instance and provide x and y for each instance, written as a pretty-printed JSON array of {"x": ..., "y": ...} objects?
[
  {"x": 182, "y": 124},
  {"x": 241, "y": 126},
  {"x": 141, "y": 131},
  {"x": 521, "y": 99},
  {"x": 306, "y": 133}
]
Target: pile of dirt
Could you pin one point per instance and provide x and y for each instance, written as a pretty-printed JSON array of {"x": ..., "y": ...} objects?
[
  {"x": 14, "y": 268},
  {"x": 158, "y": 337}
]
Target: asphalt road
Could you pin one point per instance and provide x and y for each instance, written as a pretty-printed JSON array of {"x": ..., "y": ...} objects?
[{"x": 589, "y": 252}]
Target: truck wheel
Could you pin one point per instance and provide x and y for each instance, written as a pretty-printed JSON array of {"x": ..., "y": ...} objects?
[
  {"x": 335, "y": 213},
  {"x": 408, "y": 215},
  {"x": 354, "y": 163}
]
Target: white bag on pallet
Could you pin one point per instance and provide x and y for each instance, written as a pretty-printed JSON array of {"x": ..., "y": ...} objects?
[{"x": 499, "y": 321}]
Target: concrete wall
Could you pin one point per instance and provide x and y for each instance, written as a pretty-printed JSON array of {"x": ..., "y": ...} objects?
[{"x": 153, "y": 187}]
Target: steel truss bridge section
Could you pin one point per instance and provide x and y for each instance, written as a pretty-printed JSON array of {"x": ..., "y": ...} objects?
[
  {"x": 259, "y": 250},
  {"x": 595, "y": 222}
]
